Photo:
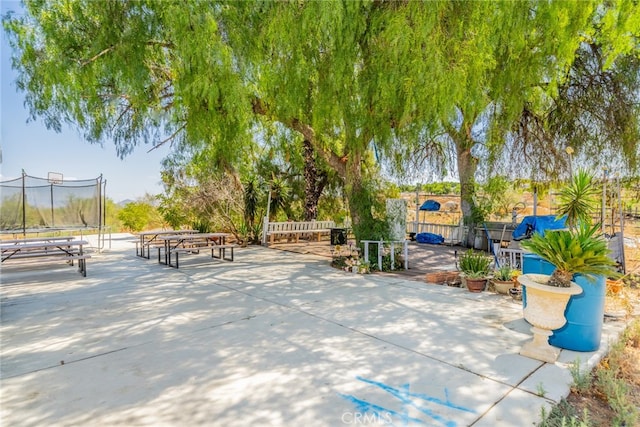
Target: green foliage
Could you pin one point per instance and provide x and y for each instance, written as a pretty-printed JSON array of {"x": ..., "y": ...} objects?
[
  {"x": 582, "y": 250},
  {"x": 582, "y": 379},
  {"x": 474, "y": 264},
  {"x": 251, "y": 200},
  {"x": 174, "y": 214},
  {"x": 136, "y": 216},
  {"x": 564, "y": 415},
  {"x": 610, "y": 382},
  {"x": 497, "y": 197},
  {"x": 332, "y": 206},
  {"x": 387, "y": 265},
  {"x": 504, "y": 273},
  {"x": 372, "y": 225},
  {"x": 202, "y": 225},
  {"x": 435, "y": 188},
  {"x": 578, "y": 199},
  {"x": 111, "y": 219},
  {"x": 250, "y": 229},
  {"x": 280, "y": 198},
  {"x": 362, "y": 82}
]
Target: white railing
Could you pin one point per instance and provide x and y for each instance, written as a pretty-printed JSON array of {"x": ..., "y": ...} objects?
[
  {"x": 452, "y": 234},
  {"x": 511, "y": 256},
  {"x": 392, "y": 246}
]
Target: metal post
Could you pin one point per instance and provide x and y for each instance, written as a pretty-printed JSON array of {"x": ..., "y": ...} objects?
[
  {"x": 24, "y": 206},
  {"x": 604, "y": 202},
  {"x": 621, "y": 237},
  {"x": 265, "y": 225},
  {"x": 415, "y": 224},
  {"x": 392, "y": 254},
  {"x": 406, "y": 255},
  {"x": 53, "y": 220}
]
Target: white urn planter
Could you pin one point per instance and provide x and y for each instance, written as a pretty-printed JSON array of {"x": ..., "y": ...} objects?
[{"x": 545, "y": 311}]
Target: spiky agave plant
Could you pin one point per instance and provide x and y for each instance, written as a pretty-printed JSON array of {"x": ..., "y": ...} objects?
[
  {"x": 578, "y": 199},
  {"x": 582, "y": 250}
]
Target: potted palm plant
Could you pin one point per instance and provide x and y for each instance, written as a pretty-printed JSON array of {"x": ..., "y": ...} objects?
[
  {"x": 475, "y": 267},
  {"x": 584, "y": 312},
  {"x": 579, "y": 250}
]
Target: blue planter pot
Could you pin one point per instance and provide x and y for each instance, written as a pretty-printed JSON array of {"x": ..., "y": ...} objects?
[{"x": 584, "y": 313}]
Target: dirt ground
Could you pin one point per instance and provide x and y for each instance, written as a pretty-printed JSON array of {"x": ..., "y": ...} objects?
[{"x": 600, "y": 413}]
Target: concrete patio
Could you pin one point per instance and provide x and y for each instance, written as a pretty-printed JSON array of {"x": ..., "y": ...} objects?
[{"x": 273, "y": 339}]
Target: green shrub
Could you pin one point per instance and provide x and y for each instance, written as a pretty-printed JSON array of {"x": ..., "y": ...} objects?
[{"x": 474, "y": 263}]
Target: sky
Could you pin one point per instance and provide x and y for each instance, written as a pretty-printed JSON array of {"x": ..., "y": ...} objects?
[{"x": 36, "y": 150}]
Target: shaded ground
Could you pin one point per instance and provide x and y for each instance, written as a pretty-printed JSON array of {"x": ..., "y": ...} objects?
[
  {"x": 423, "y": 258},
  {"x": 273, "y": 338}
]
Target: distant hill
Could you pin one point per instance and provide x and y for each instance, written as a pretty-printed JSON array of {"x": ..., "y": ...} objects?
[{"x": 124, "y": 202}]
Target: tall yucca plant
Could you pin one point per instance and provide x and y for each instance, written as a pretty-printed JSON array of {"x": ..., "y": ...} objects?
[
  {"x": 580, "y": 250},
  {"x": 578, "y": 199}
]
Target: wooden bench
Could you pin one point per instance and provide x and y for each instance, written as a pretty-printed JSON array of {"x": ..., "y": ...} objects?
[{"x": 297, "y": 229}]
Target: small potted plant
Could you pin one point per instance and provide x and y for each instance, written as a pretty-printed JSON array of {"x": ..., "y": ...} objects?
[
  {"x": 503, "y": 278},
  {"x": 475, "y": 267}
]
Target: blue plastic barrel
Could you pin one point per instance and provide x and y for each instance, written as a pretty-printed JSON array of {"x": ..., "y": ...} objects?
[{"x": 584, "y": 313}]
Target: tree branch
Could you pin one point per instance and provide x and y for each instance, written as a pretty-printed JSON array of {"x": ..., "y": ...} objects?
[
  {"x": 338, "y": 163},
  {"x": 95, "y": 57},
  {"x": 173, "y": 135}
]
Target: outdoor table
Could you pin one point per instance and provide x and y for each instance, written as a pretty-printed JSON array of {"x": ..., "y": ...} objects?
[
  {"x": 193, "y": 242},
  {"x": 147, "y": 238},
  {"x": 70, "y": 250},
  {"x": 37, "y": 240}
]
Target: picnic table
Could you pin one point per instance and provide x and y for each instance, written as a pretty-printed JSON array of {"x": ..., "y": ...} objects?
[
  {"x": 38, "y": 239},
  {"x": 193, "y": 243},
  {"x": 146, "y": 239},
  {"x": 47, "y": 247}
]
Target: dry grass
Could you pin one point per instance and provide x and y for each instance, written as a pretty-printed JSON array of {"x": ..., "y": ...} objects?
[{"x": 610, "y": 395}]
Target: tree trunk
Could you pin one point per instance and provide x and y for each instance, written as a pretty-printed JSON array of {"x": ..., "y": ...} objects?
[
  {"x": 360, "y": 202},
  {"x": 467, "y": 166},
  {"x": 314, "y": 182}
]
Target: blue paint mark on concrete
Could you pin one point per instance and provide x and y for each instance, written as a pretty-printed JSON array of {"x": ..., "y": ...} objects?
[{"x": 409, "y": 400}]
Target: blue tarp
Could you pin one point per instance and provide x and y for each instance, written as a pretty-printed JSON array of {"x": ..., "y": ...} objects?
[
  {"x": 430, "y": 205},
  {"x": 533, "y": 224},
  {"x": 434, "y": 239}
]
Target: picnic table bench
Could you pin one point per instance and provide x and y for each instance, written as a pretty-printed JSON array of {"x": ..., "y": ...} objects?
[
  {"x": 295, "y": 229},
  {"x": 67, "y": 248},
  {"x": 176, "y": 244},
  {"x": 147, "y": 239}
]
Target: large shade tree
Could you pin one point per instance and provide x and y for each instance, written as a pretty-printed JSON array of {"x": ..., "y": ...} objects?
[{"x": 353, "y": 78}]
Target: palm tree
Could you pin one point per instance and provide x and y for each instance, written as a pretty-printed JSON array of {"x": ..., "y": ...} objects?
[{"x": 280, "y": 197}]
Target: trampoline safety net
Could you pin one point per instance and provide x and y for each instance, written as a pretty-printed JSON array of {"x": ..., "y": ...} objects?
[{"x": 30, "y": 203}]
